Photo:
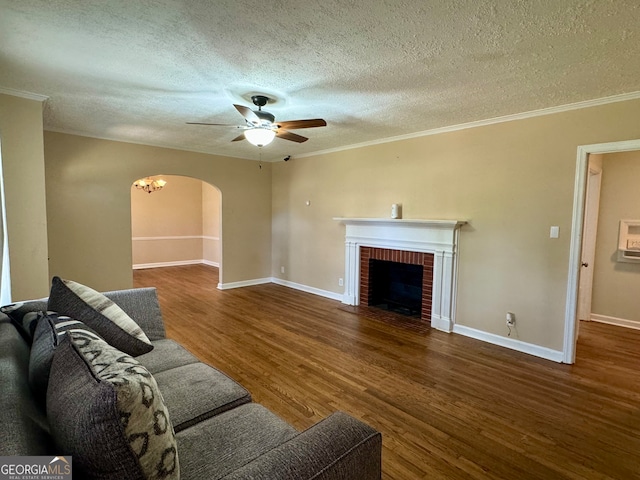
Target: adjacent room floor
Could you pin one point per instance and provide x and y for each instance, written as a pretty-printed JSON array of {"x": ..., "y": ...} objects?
[{"x": 449, "y": 407}]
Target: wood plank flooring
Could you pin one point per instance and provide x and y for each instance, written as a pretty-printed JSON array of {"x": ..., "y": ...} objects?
[{"x": 449, "y": 407}]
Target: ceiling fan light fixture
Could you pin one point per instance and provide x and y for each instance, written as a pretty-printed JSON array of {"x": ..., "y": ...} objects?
[{"x": 259, "y": 136}]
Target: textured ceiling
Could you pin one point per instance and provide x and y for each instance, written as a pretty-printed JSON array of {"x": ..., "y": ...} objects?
[{"x": 138, "y": 70}]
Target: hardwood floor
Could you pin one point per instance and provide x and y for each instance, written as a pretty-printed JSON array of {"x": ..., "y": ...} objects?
[{"x": 449, "y": 407}]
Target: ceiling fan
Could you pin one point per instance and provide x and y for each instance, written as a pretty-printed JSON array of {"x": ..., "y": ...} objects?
[{"x": 261, "y": 127}]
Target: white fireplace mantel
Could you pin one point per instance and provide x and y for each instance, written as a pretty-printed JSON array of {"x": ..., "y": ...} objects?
[
  {"x": 439, "y": 237},
  {"x": 403, "y": 221}
]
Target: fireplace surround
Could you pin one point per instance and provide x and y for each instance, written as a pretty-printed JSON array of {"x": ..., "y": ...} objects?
[{"x": 398, "y": 239}]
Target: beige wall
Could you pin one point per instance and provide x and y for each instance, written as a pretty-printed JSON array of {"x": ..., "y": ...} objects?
[
  {"x": 180, "y": 223},
  {"x": 176, "y": 210},
  {"x": 89, "y": 207},
  {"x": 24, "y": 180},
  {"x": 616, "y": 285},
  {"x": 512, "y": 181},
  {"x": 211, "y": 224}
]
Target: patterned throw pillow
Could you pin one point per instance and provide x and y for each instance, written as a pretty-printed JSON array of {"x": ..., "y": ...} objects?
[
  {"x": 106, "y": 411},
  {"x": 24, "y": 315},
  {"x": 49, "y": 331},
  {"x": 100, "y": 313}
]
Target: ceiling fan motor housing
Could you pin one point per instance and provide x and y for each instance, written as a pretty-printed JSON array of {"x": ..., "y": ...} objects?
[
  {"x": 266, "y": 117},
  {"x": 259, "y": 100}
]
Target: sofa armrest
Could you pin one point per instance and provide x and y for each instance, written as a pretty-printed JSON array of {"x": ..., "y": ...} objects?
[
  {"x": 141, "y": 304},
  {"x": 337, "y": 448}
]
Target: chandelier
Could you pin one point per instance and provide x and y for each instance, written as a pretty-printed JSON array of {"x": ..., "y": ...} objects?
[{"x": 149, "y": 184}]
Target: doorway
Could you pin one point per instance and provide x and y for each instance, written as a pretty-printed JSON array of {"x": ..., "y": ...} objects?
[
  {"x": 577, "y": 235},
  {"x": 178, "y": 224}
]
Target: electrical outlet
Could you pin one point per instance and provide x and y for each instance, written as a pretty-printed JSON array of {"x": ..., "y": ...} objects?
[
  {"x": 511, "y": 319},
  {"x": 340, "y": 282},
  {"x": 281, "y": 269}
]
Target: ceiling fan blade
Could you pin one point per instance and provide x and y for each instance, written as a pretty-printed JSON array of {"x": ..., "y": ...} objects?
[
  {"x": 294, "y": 137},
  {"x": 238, "y": 138},
  {"x": 248, "y": 114},
  {"x": 294, "y": 124},
  {"x": 214, "y": 124}
]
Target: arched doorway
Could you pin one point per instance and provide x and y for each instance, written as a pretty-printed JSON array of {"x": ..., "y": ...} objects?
[{"x": 178, "y": 224}]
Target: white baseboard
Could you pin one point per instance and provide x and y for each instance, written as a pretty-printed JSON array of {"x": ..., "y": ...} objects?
[
  {"x": 140, "y": 266},
  {"x": 308, "y": 289},
  {"x": 243, "y": 283},
  {"x": 512, "y": 343},
  {"x": 284, "y": 283},
  {"x": 178, "y": 263},
  {"x": 620, "y": 322}
]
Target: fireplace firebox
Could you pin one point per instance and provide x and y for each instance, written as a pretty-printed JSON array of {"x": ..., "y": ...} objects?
[{"x": 395, "y": 286}]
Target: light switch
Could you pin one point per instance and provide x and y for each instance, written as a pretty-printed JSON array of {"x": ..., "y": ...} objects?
[{"x": 554, "y": 232}]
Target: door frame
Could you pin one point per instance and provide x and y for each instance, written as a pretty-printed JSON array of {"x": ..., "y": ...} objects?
[{"x": 577, "y": 225}]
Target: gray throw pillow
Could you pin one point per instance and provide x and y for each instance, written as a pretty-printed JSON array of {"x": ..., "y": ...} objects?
[
  {"x": 24, "y": 315},
  {"x": 49, "y": 331},
  {"x": 106, "y": 411},
  {"x": 100, "y": 313}
]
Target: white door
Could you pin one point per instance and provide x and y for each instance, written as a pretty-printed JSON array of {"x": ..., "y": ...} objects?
[{"x": 589, "y": 231}]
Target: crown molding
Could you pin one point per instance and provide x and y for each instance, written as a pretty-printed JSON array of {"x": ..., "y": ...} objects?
[
  {"x": 490, "y": 121},
  {"x": 436, "y": 131},
  {"x": 23, "y": 94},
  {"x": 146, "y": 144}
]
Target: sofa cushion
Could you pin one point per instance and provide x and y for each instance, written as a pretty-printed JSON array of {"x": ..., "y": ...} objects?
[
  {"x": 100, "y": 313},
  {"x": 166, "y": 354},
  {"x": 50, "y": 329},
  {"x": 24, "y": 429},
  {"x": 339, "y": 446},
  {"x": 219, "y": 445},
  {"x": 106, "y": 411},
  {"x": 24, "y": 315},
  {"x": 197, "y": 391}
]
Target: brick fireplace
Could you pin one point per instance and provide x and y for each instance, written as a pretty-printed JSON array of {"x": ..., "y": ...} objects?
[
  {"x": 425, "y": 260},
  {"x": 430, "y": 243}
]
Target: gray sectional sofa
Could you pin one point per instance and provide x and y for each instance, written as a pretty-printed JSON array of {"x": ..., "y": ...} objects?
[{"x": 220, "y": 433}]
